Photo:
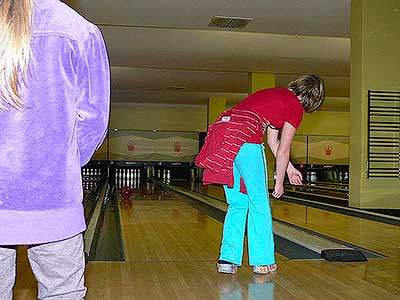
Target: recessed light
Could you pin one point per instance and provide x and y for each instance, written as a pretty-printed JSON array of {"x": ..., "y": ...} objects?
[
  {"x": 229, "y": 22},
  {"x": 176, "y": 87}
]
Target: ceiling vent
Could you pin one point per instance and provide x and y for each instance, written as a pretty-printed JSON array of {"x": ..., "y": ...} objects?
[
  {"x": 176, "y": 87},
  {"x": 229, "y": 22}
]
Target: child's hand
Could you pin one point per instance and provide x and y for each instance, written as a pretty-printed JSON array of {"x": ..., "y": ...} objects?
[
  {"x": 278, "y": 191},
  {"x": 295, "y": 176}
]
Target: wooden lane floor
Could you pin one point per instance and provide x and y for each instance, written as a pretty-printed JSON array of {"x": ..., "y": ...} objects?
[
  {"x": 375, "y": 236},
  {"x": 171, "y": 250},
  {"x": 160, "y": 227}
]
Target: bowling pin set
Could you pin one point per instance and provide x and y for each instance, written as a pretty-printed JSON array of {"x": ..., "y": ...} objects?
[
  {"x": 90, "y": 176},
  {"x": 127, "y": 177},
  {"x": 311, "y": 176},
  {"x": 91, "y": 172},
  {"x": 89, "y": 185},
  {"x": 164, "y": 175},
  {"x": 344, "y": 176}
]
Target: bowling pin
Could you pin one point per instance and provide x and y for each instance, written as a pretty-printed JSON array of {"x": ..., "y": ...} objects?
[
  {"x": 313, "y": 176},
  {"x": 192, "y": 176}
]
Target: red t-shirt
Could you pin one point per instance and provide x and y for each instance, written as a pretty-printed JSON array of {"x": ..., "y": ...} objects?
[{"x": 277, "y": 105}]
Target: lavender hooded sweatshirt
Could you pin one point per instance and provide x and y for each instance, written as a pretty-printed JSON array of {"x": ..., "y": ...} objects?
[{"x": 42, "y": 147}]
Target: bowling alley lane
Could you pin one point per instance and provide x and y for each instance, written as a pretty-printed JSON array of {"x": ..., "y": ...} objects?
[
  {"x": 375, "y": 236},
  {"x": 171, "y": 248},
  {"x": 160, "y": 227},
  {"x": 170, "y": 253}
]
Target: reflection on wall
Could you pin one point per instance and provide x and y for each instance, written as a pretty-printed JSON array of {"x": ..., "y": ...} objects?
[
  {"x": 101, "y": 153},
  {"x": 320, "y": 150},
  {"x": 182, "y": 146},
  {"x": 328, "y": 150},
  {"x": 153, "y": 146},
  {"x": 298, "y": 150}
]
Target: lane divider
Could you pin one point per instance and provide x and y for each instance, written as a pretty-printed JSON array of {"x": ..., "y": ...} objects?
[{"x": 91, "y": 227}]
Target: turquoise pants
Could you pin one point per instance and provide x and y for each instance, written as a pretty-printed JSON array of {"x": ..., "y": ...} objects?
[{"x": 250, "y": 164}]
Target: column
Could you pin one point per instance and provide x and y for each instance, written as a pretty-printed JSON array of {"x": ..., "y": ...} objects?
[
  {"x": 375, "y": 65},
  {"x": 215, "y": 107}
]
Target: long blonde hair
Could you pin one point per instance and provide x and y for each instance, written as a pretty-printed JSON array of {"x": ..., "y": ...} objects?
[{"x": 15, "y": 37}]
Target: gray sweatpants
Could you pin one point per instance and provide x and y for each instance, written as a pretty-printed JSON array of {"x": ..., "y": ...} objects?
[{"x": 58, "y": 268}]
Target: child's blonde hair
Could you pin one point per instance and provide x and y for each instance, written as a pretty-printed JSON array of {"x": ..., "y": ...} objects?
[{"x": 15, "y": 37}]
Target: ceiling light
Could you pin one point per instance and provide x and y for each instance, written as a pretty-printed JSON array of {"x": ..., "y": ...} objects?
[
  {"x": 176, "y": 87},
  {"x": 229, "y": 22}
]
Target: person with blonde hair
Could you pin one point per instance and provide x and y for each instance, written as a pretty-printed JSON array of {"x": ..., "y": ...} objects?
[
  {"x": 233, "y": 155},
  {"x": 54, "y": 110}
]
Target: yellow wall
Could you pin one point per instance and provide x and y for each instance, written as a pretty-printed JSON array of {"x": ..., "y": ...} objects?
[
  {"x": 214, "y": 108},
  {"x": 375, "y": 65},
  {"x": 160, "y": 117},
  {"x": 101, "y": 153},
  {"x": 325, "y": 123},
  {"x": 194, "y": 118},
  {"x": 259, "y": 81}
]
